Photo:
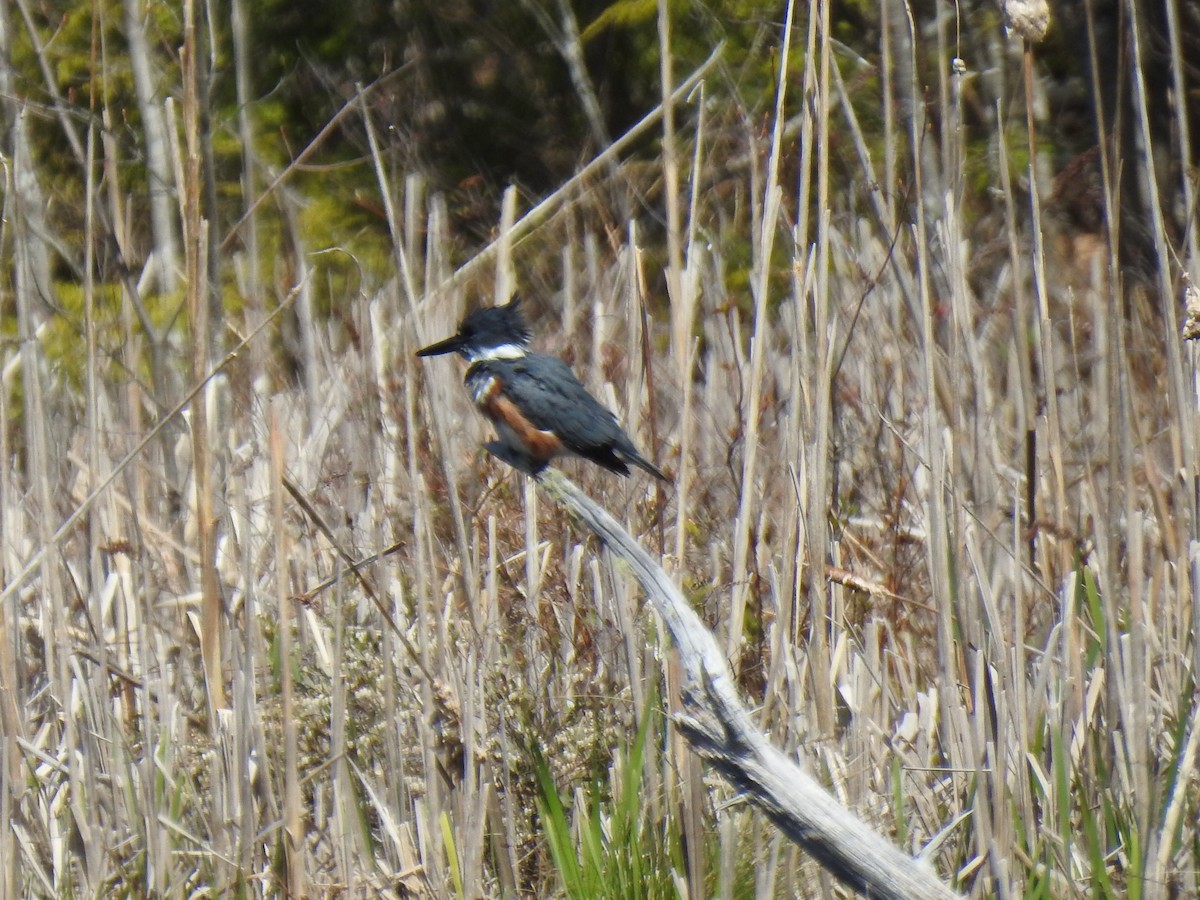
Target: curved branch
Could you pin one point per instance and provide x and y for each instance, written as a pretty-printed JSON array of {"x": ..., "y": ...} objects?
[{"x": 720, "y": 729}]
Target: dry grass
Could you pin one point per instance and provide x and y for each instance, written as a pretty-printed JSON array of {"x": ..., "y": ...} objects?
[{"x": 942, "y": 512}]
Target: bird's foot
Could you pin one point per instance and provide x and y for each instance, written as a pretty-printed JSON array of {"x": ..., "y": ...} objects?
[{"x": 520, "y": 461}]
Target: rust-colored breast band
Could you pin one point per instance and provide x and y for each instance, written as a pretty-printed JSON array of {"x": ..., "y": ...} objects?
[{"x": 541, "y": 445}]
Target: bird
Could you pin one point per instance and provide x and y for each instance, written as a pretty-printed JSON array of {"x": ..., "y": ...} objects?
[{"x": 537, "y": 405}]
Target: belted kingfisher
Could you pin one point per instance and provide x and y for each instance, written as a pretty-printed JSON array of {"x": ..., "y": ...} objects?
[{"x": 538, "y": 406}]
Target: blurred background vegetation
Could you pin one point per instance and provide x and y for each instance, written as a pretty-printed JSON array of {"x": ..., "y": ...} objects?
[{"x": 478, "y": 97}]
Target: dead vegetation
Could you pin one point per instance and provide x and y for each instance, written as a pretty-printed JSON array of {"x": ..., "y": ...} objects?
[{"x": 935, "y": 491}]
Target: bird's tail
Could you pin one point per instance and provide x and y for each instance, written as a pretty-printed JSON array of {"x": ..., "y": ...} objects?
[{"x": 642, "y": 463}]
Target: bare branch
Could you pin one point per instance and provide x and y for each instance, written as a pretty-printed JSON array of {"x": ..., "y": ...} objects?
[{"x": 720, "y": 729}]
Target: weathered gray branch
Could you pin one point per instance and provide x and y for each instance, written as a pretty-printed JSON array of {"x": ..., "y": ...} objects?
[{"x": 720, "y": 729}]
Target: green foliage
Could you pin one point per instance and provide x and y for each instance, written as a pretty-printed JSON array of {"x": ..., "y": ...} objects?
[
  {"x": 85, "y": 50},
  {"x": 63, "y": 339},
  {"x": 622, "y": 14},
  {"x": 452, "y": 861},
  {"x": 1091, "y": 604},
  {"x": 608, "y": 847},
  {"x": 1097, "y": 849},
  {"x": 1103, "y": 829}
]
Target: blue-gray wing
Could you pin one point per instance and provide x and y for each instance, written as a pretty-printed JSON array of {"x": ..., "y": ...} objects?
[{"x": 546, "y": 390}]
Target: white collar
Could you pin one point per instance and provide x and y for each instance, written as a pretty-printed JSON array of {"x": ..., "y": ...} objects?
[{"x": 504, "y": 351}]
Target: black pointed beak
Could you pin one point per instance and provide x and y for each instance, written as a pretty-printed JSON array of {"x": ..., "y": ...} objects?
[{"x": 449, "y": 345}]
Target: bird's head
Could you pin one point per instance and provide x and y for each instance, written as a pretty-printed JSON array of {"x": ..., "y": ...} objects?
[{"x": 495, "y": 332}]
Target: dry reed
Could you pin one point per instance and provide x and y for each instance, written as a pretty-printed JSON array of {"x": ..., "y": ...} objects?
[{"x": 996, "y": 448}]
